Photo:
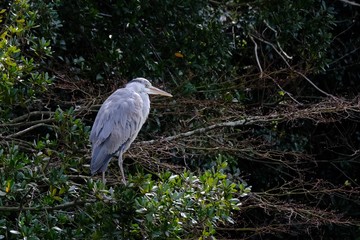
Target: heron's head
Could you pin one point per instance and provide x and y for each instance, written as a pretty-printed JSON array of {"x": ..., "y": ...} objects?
[{"x": 143, "y": 85}]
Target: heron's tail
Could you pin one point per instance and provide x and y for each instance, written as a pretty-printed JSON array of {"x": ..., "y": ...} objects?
[{"x": 100, "y": 159}]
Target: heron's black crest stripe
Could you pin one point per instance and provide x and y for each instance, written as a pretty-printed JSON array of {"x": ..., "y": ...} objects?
[
  {"x": 137, "y": 80},
  {"x": 142, "y": 81}
]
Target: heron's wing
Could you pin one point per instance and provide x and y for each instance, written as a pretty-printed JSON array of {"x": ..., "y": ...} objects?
[{"x": 116, "y": 126}]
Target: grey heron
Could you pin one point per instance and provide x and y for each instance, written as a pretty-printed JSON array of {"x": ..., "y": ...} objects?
[{"x": 118, "y": 122}]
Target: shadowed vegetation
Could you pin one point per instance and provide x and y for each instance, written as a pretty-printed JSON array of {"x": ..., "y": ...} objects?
[{"x": 261, "y": 139}]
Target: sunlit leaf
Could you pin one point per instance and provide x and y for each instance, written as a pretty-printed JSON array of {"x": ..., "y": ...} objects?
[
  {"x": 15, "y": 232},
  {"x": 179, "y": 55}
]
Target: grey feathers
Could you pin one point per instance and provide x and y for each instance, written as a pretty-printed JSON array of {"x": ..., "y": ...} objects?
[
  {"x": 116, "y": 126},
  {"x": 119, "y": 121}
]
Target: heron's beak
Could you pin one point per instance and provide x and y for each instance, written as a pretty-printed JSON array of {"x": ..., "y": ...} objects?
[{"x": 156, "y": 91}]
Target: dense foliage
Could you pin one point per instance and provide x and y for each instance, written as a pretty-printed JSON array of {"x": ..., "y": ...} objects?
[
  {"x": 260, "y": 140},
  {"x": 21, "y": 54}
]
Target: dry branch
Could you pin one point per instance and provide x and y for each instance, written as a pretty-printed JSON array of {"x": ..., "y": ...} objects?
[
  {"x": 32, "y": 114},
  {"x": 47, "y": 208},
  {"x": 351, "y": 3},
  {"x": 314, "y": 113},
  {"x": 283, "y": 56},
  {"x": 22, "y": 132}
]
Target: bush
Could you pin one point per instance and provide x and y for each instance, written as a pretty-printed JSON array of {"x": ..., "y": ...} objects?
[
  {"x": 21, "y": 54},
  {"x": 47, "y": 203},
  {"x": 187, "y": 205}
]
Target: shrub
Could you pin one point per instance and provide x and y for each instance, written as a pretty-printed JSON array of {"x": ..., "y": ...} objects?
[{"x": 21, "y": 54}]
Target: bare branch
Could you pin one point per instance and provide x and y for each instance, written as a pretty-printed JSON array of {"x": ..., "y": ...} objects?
[
  {"x": 351, "y": 3},
  {"x": 310, "y": 113},
  {"x": 286, "y": 92},
  {"x": 256, "y": 56},
  {"x": 48, "y": 208},
  {"x": 23, "y": 124},
  {"x": 313, "y": 84},
  {"x": 31, "y": 114},
  {"x": 28, "y": 129},
  {"x": 290, "y": 67},
  {"x": 277, "y": 42}
]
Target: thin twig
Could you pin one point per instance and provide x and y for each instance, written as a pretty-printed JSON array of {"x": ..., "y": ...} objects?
[
  {"x": 30, "y": 114},
  {"x": 303, "y": 113},
  {"x": 256, "y": 56},
  {"x": 314, "y": 85},
  {"x": 277, "y": 42},
  {"x": 48, "y": 208},
  {"x": 28, "y": 129},
  {"x": 291, "y": 68},
  {"x": 23, "y": 124},
  {"x": 351, "y": 3},
  {"x": 286, "y": 92}
]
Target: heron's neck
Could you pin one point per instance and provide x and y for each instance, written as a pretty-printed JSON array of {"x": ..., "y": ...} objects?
[{"x": 146, "y": 105}]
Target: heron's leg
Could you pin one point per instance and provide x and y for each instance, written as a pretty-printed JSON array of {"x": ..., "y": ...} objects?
[
  {"x": 120, "y": 162},
  {"x": 103, "y": 177}
]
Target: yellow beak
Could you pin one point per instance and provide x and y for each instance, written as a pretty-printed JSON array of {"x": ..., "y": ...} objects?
[{"x": 156, "y": 91}]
